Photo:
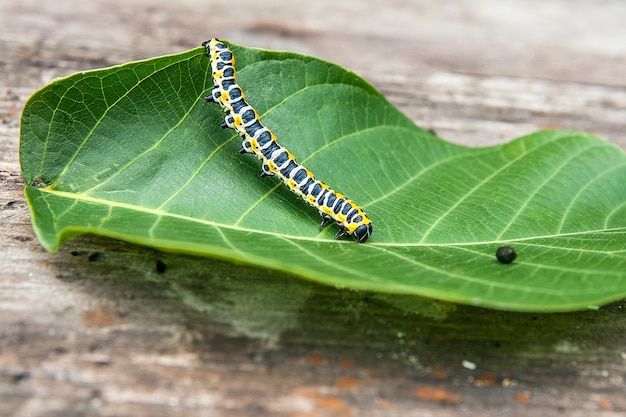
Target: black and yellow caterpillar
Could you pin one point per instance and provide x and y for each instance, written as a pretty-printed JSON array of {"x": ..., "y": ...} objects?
[{"x": 276, "y": 159}]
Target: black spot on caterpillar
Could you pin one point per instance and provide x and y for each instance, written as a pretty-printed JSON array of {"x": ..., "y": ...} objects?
[
  {"x": 276, "y": 159},
  {"x": 506, "y": 254}
]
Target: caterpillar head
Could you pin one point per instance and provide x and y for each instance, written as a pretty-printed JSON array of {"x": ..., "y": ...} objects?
[{"x": 363, "y": 232}]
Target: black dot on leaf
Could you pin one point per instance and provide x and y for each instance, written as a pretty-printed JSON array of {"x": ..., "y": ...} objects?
[{"x": 506, "y": 254}]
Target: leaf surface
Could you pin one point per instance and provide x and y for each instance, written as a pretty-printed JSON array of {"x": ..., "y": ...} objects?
[{"x": 134, "y": 152}]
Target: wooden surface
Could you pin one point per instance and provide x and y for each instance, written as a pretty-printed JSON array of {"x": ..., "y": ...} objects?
[{"x": 96, "y": 330}]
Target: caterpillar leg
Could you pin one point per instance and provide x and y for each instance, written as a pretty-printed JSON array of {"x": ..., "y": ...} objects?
[
  {"x": 266, "y": 172},
  {"x": 214, "y": 96},
  {"x": 229, "y": 122},
  {"x": 325, "y": 220},
  {"x": 246, "y": 145},
  {"x": 361, "y": 233},
  {"x": 341, "y": 232}
]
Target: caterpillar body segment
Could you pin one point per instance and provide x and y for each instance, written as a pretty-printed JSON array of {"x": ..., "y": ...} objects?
[{"x": 276, "y": 160}]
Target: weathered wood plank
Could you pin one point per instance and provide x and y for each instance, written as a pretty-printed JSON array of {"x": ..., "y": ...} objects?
[{"x": 96, "y": 330}]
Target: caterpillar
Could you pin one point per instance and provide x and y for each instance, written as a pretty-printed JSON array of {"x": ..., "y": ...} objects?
[{"x": 276, "y": 159}]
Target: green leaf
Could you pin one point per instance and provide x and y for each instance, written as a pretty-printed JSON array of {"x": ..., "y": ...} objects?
[{"x": 134, "y": 152}]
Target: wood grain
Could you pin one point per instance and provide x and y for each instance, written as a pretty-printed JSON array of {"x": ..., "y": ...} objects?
[{"x": 98, "y": 329}]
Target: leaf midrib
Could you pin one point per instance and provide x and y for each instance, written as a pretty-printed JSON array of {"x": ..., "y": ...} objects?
[{"x": 161, "y": 213}]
